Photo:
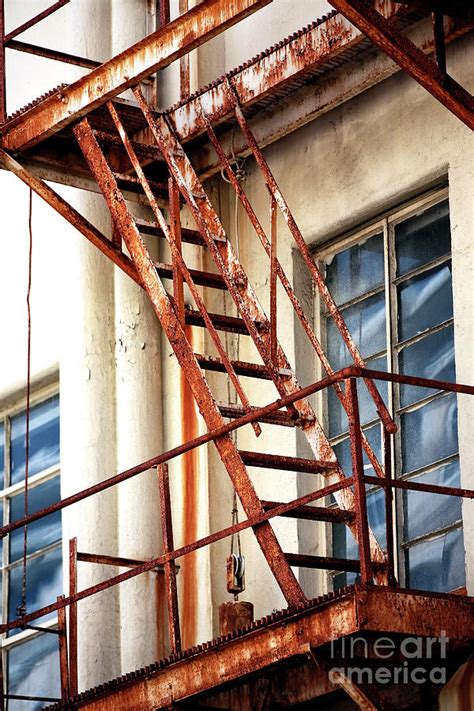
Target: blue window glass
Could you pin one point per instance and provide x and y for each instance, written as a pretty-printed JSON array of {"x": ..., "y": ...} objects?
[
  {"x": 343, "y": 451},
  {"x": 356, "y": 270},
  {"x": 426, "y": 512},
  {"x": 44, "y": 439},
  {"x": 366, "y": 323},
  {"x": 33, "y": 670},
  {"x": 431, "y": 357},
  {"x": 424, "y": 301},
  {"x": 338, "y": 422},
  {"x": 429, "y": 433},
  {"x": 438, "y": 563},
  {"x": 423, "y": 238},
  {"x": 41, "y": 533},
  {"x": 44, "y": 582}
]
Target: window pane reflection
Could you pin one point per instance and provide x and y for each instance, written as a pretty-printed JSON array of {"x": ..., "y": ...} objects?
[
  {"x": 344, "y": 543},
  {"x": 44, "y": 439},
  {"x": 437, "y": 564},
  {"x": 44, "y": 583},
  {"x": 33, "y": 670},
  {"x": 431, "y": 357},
  {"x": 423, "y": 238},
  {"x": 366, "y": 323},
  {"x": 356, "y": 270},
  {"x": 425, "y": 301},
  {"x": 426, "y": 512},
  {"x": 41, "y": 533},
  {"x": 429, "y": 433}
]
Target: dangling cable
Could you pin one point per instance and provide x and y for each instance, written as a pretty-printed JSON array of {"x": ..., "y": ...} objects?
[
  {"x": 22, "y": 609},
  {"x": 235, "y": 536}
]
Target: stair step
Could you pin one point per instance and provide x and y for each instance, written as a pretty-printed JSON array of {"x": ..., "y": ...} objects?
[
  {"x": 232, "y": 412},
  {"x": 133, "y": 184},
  {"x": 233, "y": 324},
  {"x": 319, "y": 562},
  {"x": 275, "y": 461},
  {"x": 251, "y": 370},
  {"x": 149, "y": 227},
  {"x": 314, "y": 513},
  {"x": 215, "y": 281}
]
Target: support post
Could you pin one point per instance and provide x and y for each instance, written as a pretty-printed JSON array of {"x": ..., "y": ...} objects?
[
  {"x": 63, "y": 665},
  {"x": 175, "y": 235},
  {"x": 439, "y": 41},
  {"x": 366, "y": 573},
  {"x": 73, "y": 676},
  {"x": 3, "y": 89},
  {"x": 170, "y": 567},
  {"x": 273, "y": 281},
  {"x": 389, "y": 518}
]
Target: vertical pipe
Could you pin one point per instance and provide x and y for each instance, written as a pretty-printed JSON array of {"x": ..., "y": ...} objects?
[
  {"x": 170, "y": 567},
  {"x": 63, "y": 666},
  {"x": 273, "y": 281},
  {"x": 3, "y": 88},
  {"x": 439, "y": 41},
  {"x": 175, "y": 234},
  {"x": 355, "y": 433},
  {"x": 389, "y": 521},
  {"x": 73, "y": 685}
]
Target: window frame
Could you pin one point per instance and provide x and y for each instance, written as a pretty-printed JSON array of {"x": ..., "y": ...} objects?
[
  {"x": 14, "y": 406},
  {"x": 385, "y": 224}
]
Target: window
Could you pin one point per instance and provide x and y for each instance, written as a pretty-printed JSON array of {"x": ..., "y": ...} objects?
[
  {"x": 393, "y": 284},
  {"x": 30, "y": 659}
]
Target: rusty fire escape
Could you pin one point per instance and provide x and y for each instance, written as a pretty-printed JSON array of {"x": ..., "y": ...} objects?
[{"x": 87, "y": 115}]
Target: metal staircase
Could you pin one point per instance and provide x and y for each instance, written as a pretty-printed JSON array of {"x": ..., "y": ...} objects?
[{"x": 251, "y": 321}]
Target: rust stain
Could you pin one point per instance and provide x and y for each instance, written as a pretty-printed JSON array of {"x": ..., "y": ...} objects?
[{"x": 190, "y": 473}]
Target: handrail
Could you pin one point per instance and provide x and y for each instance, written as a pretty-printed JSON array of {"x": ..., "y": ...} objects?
[
  {"x": 358, "y": 480},
  {"x": 253, "y": 416}
]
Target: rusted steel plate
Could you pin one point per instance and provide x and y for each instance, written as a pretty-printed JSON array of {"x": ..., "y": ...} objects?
[
  {"x": 156, "y": 51},
  {"x": 281, "y": 637},
  {"x": 229, "y": 661},
  {"x": 305, "y": 104},
  {"x": 410, "y": 58},
  {"x": 416, "y": 613},
  {"x": 314, "y": 45}
]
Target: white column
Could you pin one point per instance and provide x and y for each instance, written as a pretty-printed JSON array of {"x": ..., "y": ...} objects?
[
  {"x": 461, "y": 201},
  {"x": 88, "y": 433},
  {"x": 88, "y": 429}
]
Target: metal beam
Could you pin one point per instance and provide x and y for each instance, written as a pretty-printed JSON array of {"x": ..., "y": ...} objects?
[
  {"x": 280, "y": 638},
  {"x": 156, "y": 51},
  {"x": 309, "y": 103},
  {"x": 409, "y": 57},
  {"x": 310, "y": 48}
]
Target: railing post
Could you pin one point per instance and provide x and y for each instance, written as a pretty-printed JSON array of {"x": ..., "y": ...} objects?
[
  {"x": 389, "y": 519},
  {"x": 2, "y": 690},
  {"x": 355, "y": 432},
  {"x": 3, "y": 88},
  {"x": 169, "y": 566},
  {"x": 73, "y": 676},
  {"x": 63, "y": 665}
]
